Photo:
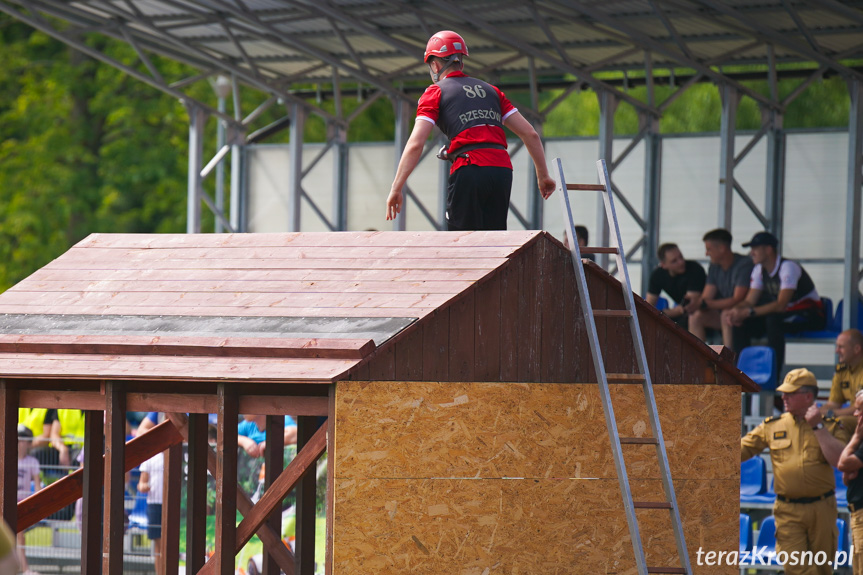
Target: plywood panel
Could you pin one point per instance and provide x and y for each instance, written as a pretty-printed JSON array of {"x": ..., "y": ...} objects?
[
  {"x": 495, "y": 430},
  {"x": 518, "y": 526}
]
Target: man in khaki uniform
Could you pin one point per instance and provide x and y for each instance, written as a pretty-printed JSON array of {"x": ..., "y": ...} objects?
[
  {"x": 850, "y": 463},
  {"x": 848, "y": 379},
  {"x": 804, "y": 448}
]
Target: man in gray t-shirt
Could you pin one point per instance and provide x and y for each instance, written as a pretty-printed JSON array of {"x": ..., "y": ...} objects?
[{"x": 727, "y": 285}]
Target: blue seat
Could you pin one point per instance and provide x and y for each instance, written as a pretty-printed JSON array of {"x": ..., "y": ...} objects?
[
  {"x": 767, "y": 539},
  {"x": 753, "y": 477},
  {"x": 138, "y": 515},
  {"x": 830, "y": 330},
  {"x": 842, "y": 545},
  {"x": 837, "y": 319},
  {"x": 841, "y": 490},
  {"x": 745, "y": 533},
  {"x": 759, "y": 363},
  {"x": 762, "y": 499},
  {"x": 661, "y": 304}
]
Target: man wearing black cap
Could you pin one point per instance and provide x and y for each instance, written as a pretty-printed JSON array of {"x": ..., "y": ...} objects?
[
  {"x": 804, "y": 448},
  {"x": 782, "y": 299}
]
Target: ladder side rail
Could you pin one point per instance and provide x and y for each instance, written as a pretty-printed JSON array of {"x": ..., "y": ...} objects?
[
  {"x": 641, "y": 357},
  {"x": 601, "y": 376}
]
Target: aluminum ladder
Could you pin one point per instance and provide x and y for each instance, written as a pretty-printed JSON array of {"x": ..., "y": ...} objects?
[{"x": 603, "y": 378}]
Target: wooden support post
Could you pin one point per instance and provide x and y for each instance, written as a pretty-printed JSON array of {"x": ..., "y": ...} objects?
[
  {"x": 173, "y": 484},
  {"x": 226, "y": 481},
  {"x": 9, "y": 452},
  {"x": 94, "y": 475},
  {"x": 274, "y": 460},
  {"x": 305, "y": 547},
  {"x": 115, "y": 483},
  {"x": 196, "y": 494},
  {"x": 331, "y": 479}
]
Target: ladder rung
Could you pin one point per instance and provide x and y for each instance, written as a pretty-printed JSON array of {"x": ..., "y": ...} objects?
[
  {"x": 669, "y": 570},
  {"x": 586, "y": 187},
  {"x": 651, "y": 504},
  {"x": 590, "y": 250},
  {"x": 612, "y": 312},
  {"x": 638, "y": 441},
  {"x": 624, "y": 377}
]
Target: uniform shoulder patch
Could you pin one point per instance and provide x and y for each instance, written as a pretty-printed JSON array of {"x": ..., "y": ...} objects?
[
  {"x": 773, "y": 418},
  {"x": 841, "y": 367},
  {"x": 831, "y": 420}
]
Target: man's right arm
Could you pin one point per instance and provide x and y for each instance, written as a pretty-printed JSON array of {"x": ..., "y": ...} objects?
[
  {"x": 409, "y": 160},
  {"x": 752, "y": 443}
]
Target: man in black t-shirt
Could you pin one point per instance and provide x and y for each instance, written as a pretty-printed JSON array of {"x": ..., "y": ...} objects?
[
  {"x": 683, "y": 281},
  {"x": 850, "y": 464}
]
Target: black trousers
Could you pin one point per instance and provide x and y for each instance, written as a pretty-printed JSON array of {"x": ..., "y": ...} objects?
[
  {"x": 775, "y": 326},
  {"x": 478, "y": 198}
]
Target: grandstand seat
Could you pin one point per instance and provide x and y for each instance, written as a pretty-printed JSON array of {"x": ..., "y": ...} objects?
[
  {"x": 841, "y": 490},
  {"x": 838, "y": 317},
  {"x": 138, "y": 514},
  {"x": 842, "y": 545},
  {"x": 759, "y": 363},
  {"x": 830, "y": 330},
  {"x": 753, "y": 477},
  {"x": 661, "y": 304},
  {"x": 767, "y": 538},
  {"x": 761, "y": 500},
  {"x": 745, "y": 533}
]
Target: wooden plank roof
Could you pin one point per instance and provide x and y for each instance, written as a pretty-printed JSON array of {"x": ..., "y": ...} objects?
[{"x": 302, "y": 307}]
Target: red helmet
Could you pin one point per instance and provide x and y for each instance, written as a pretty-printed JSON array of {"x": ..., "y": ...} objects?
[{"x": 445, "y": 43}]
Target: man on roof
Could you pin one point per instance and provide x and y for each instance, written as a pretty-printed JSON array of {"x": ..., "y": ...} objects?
[{"x": 472, "y": 114}]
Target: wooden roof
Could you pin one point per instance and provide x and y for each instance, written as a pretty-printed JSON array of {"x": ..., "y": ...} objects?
[{"x": 303, "y": 307}]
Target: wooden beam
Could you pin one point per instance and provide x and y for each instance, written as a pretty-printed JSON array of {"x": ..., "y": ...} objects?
[
  {"x": 173, "y": 485},
  {"x": 174, "y": 402},
  {"x": 9, "y": 452},
  {"x": 306, "y": 513},
  {"x": 196, "y": 493},
  {"x": 274, "y": 462},
  {"x": 226, "y": 482},
  {"x": 70, "y": 488},
  {"x": 302, "y": 464},
  {"x": 115, "y": 480},
  {"x": 93, "y": 474},
  {"x": 331, "y": 480}
]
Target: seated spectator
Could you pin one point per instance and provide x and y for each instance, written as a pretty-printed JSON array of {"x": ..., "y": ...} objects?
[
  {"x": 28, "y": 482},
  {"x": 782, "y": 299},
  {"x": 582, "y": 236},
  {"x": 47, "y": 451},
  {"x": 683, "y": 281},
  {"x": 848, "y": 379},
  {"x": 67, "y": 434},
  {"x": 727, "y": 285},
  {"x": 253, "y": 436}
]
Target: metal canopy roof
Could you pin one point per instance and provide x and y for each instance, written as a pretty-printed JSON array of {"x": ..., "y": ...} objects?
[{"x": 277, "y": 44}]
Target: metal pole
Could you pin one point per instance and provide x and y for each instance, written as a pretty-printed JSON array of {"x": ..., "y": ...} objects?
[
  {"x": 443, "y": 184},
  {"x": 239, "y": 197},
  {"x": 730, "y": 98},
  {"x": 774, "y": 205},
  {"x": 534, "y": 200},
  {"x": 852, "y": 213},
  {"x": 340, "y": 177},
  {"x": 607, "y": 107},
  {"x": 295, "y": 180},
  {"x": 197, "y": 119},
  {"x": 652, "y": 198},
  {"x": 220, "y": 168},
  {"x": 403, "y": 114}
]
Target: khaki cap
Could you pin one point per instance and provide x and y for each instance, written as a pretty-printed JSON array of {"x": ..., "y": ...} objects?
[{"x": 796, "y": 379}]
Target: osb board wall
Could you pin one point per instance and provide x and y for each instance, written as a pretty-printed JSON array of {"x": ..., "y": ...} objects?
[
  {"x": 482, "y": 478},
  {"x": 524, "y": 323}
]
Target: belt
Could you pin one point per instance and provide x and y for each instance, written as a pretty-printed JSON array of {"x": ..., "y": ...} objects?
[
  {"x": 784, "y": 499},
  {"x": 462, "y": 151}
]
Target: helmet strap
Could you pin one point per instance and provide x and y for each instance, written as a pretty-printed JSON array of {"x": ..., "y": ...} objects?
[{"x": 449, "y": 62}]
